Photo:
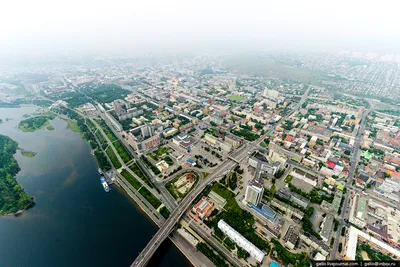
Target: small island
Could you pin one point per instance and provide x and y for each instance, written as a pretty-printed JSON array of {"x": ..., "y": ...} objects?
[
  {"x": 50, "y": 128},
  {"x": 28, "y": 154},
  {"x": 13, "y": 198},
  {"x": 35, "y": 123},
  {"x": 1, "y": 121}
]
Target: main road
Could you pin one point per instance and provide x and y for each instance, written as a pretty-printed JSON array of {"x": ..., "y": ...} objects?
[
  {"x": 175, "y": 216},
  {"x": 350, "y": 176}
]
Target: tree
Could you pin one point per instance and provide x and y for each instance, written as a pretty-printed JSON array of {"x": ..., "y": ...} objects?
[
  {"x": 343, "y": 231},
  {"x": 273, "y": 189},
  {"x": 279, "y": 174}
]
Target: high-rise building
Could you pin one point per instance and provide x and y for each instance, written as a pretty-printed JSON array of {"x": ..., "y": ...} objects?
[
  {"x": 143, "y": 138},
  {"x": 118, "y": 107},
  {"x": 254, "y": 192},
  {"x": 271, "y": 93}
]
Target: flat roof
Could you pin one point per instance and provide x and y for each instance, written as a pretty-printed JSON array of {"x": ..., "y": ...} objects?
[
  {"x": 254, "y": 252},
  {"x": 361, "y": 207},
  {"x": 354, "y": 233}
]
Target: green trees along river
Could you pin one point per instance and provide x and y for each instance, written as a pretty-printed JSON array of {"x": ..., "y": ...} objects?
[{"x": 12, "y": 197}]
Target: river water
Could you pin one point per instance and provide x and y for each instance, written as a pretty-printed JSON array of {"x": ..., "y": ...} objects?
[{"x": 74, "y": 222}]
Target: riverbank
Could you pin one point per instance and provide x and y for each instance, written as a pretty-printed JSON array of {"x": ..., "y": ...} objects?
[{"x": 13, "y": 198}]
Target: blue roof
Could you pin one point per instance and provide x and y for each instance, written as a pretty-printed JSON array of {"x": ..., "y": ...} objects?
[
  {"x": 190, "y": 161},
  {"x": 266, "y": 211}
]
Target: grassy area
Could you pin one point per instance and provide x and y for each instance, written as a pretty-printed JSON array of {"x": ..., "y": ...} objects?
[
  {"x": 113, "y": 158},
  {"x": 107, "y": 131},
  {"x": 91, "y": 125},
  {"x": 171, "y": 189},
  {"x": 155, "y": 202},
  {"x": 158, "y": 153},
  {"x": 132, "y": 180},
  {"x": 224, "y": 192},
  {"x": 122, "y": 151},
  {"x": 140, "y": 174},
  {"x": 102, "y": 160},
  {"x": 73, "y": 126},
  {"x": 165, "y": 212},
  {"x": 169, "y": 161},
  {"x": 236, "y": 98},
  {"x": 101, "y": 138}
]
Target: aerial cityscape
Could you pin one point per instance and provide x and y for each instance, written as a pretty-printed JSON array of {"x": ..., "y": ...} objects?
[{"x": 257, "y": 157}]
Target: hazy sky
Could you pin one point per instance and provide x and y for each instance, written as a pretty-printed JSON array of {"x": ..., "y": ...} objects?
[{"x": 119, "y": 26}]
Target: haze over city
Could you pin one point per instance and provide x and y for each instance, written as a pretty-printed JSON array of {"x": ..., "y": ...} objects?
[{"x": 135, "y": 27}]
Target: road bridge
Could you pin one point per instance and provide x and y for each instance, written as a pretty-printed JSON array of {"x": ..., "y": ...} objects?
[
  {"x": 175, "y": 216},
  {"x": 235, "y": 160}
]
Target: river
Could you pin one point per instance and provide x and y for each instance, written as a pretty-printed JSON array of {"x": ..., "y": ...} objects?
[{"x": 74, "y": 222}]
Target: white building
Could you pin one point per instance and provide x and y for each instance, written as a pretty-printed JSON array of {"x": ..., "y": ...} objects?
[
  {"x": 355, "y": 234},
  {"x": 305, "y": 177},
  {"x": 254, "y": 192},
  {"x": 242, "y": 242}
]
